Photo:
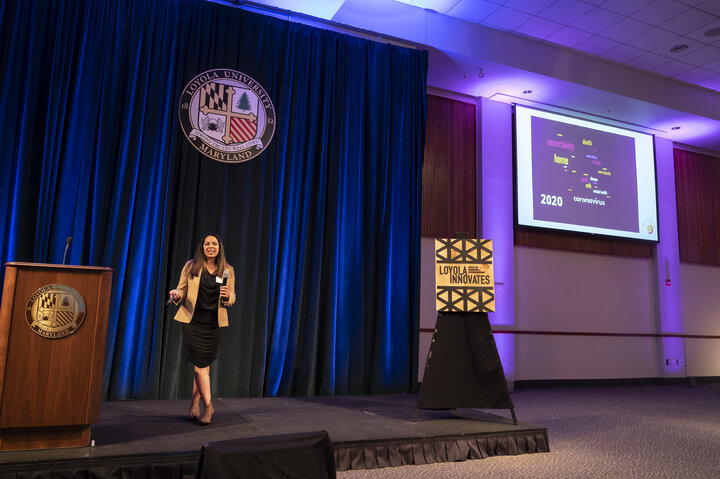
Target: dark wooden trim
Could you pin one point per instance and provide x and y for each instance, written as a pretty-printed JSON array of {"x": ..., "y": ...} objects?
[
  {"x": 690, "y": 381},
  {"x": 587, "y": 333},
  {"x": 63, "y": 267}
]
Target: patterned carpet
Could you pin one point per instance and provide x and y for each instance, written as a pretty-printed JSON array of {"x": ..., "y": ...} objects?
[{"x": 648, "y": 431}]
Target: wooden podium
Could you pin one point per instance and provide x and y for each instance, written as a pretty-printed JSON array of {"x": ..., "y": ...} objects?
[{"x": 51, "y": 358}]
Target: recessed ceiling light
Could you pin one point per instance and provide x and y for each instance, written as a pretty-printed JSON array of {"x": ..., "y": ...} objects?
[
  {"x": 679, "y": 48},
  {"x": 527, "y": 92},
  {"x": 712, "y": 32},
  {"x": 675, "y": 128}
]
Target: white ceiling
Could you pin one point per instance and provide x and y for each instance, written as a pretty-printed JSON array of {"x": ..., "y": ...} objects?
[
  {"x": 638, "y": 33},
  {"x": 608, "y": 58}
]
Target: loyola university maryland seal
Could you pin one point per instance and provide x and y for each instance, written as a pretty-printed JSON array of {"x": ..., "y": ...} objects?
[
  {"x": 55, "y": 311},
  {"x": 227, "y": 115}
]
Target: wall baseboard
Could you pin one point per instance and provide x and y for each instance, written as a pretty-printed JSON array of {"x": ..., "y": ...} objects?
[
  {"x": 690, "y": 381},
  {"x": 547, "y": 383}
]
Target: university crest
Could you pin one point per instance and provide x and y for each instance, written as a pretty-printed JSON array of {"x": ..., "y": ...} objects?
[
  {"x": 55, "y": 311},
  {"x": 226, "y": 115}
]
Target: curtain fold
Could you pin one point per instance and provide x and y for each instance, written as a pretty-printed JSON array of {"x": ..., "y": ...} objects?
[{"x": 322, "y": 228}]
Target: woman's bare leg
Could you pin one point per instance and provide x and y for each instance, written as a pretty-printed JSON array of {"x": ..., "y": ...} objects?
[
  {"x": 202, "y": 379},
  {"x": 201, "y": 385}
]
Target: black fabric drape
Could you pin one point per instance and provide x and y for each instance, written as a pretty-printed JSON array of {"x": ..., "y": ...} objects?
[
  {"x": 322, "y": 228},
  {"x": 463, "y": 368}
]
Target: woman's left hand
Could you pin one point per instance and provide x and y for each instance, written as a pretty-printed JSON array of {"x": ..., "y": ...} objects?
[{"x": 224, "y": 292}]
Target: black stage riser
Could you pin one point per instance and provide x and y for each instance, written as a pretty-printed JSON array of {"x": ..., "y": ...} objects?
[
  {"x": 154, "y": 439},
  {"x": 347, "y": 457}
]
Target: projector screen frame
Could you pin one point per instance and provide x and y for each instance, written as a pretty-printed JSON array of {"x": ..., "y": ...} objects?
[{"x": 601, "y": 124}]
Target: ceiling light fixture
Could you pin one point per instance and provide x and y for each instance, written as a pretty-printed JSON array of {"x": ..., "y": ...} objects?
[
  {"x": 712, "y": 32},
  {"x": 679, "y": 48},
  {"x": 527, "y": 92},
  {"x": 675, "y": 128}
]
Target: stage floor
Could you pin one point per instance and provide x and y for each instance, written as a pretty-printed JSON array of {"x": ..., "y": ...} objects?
[{"x": 360, "y": 427}]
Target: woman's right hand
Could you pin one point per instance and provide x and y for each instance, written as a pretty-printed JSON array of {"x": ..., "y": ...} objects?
[{"x": 175, "y": 294}]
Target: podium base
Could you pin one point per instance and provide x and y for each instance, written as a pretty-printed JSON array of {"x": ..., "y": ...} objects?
[
  {"x": 463, "y": 369},
  {"x": 24, "y": 438}
]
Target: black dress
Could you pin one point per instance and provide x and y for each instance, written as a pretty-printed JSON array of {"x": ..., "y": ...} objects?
[{"x": 201, "y": 336}]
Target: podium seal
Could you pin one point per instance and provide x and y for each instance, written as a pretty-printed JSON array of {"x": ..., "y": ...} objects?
[{"x": 55, "y": 311}]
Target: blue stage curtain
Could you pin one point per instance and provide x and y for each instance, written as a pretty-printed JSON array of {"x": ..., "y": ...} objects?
[{"x": 322, "y": 228}]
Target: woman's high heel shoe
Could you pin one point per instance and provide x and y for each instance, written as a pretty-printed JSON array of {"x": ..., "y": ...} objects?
[
  {"x": 194, "y": 412},
  {"x": 207, "y": 415}
]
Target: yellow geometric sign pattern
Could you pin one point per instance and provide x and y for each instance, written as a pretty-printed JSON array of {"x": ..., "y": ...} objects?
[{"x": 464, "y": 275}]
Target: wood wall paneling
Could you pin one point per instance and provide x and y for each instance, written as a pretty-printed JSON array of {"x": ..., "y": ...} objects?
[
  {"x": 584, "y": 243},
  {"x": 697, "y": 188},
  {"x": 449, "y": 181}
]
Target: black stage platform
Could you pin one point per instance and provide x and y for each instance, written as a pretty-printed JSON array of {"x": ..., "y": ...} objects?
[{"x": 154, "y": 438}]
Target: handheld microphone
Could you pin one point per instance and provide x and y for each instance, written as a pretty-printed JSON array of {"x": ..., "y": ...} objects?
[
  {"x": 68, "y": 242},
  {"x": 226, "y": 275}
]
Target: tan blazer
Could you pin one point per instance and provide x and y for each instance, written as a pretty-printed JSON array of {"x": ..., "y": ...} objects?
[{"x": 189, "y": 288}]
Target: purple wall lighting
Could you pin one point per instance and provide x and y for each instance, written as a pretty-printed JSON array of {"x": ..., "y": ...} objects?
[
  {"x": 495, "y": 120},
  {"x": 667, "y": 263}
]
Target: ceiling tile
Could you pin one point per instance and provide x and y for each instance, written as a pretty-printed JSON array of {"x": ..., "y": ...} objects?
[
  {"x": 714, "y": 66},
  {"x": 473, "y": 11},
  {"x": 702, "y": 56},
  {"x": 688, "y": 21},
  {"x": 710, "y": 6},
  {"x": 672, "y": 68},
  {"x": 568, "y": 36},
  {"x": 565, "y": 11},
  {"x": 700, "y": 36},
  {"x": 711, "y": 83},
  {"x": 532, "y": 7},
  {"x": 625, "y": 29},
  {"x": 696, "y": 75},
  {"x": 652, "y": 39},
  {"x": 625, "y": 7},
  {"x": 505, "y": 19},
  {"x": 647, "y": 61},
  {"x": 596, "y": 45},
  {"x": 665, "y": 50},
  {"x": 596, "y": 20},
  {"x": 659, "y": 11},
  {"x": 623, "y": 53},
  {"x": 539, "y": 28}
]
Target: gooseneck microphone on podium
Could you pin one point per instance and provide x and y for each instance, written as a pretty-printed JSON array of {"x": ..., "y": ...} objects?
[{"x": 68, "y": 242}]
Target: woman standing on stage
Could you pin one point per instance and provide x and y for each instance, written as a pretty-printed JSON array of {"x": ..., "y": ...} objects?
[{"x": 205, "y": 291}]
